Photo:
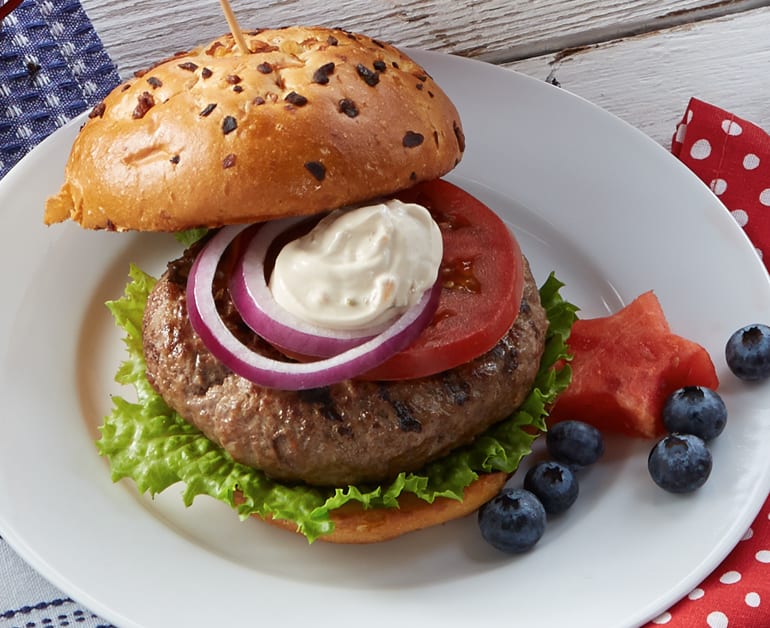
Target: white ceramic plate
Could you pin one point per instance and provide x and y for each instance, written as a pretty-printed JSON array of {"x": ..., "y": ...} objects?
[{"x": 610, "y": 211}]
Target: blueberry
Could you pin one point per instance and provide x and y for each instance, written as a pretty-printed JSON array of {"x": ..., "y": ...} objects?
[
  {"x": 553, "y": 484},
  {"x": 748, "y": 352},
  {"x": 695, "y": 410},
  {"x": 680, "y": 463},
  {"x": 574, "y": 443},
  {"x": 513, "y": 521}
]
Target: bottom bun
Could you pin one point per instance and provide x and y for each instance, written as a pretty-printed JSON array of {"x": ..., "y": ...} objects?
[{"x": 355, "y": 525}]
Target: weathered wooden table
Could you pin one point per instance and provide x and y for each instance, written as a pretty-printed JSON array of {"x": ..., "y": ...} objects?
[{"x": 641, "y": 60}]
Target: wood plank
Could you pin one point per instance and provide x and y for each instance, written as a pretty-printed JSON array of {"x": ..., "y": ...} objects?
[
  {"x": 647, "y": 80},
  {"x": 492, "y": 30}
]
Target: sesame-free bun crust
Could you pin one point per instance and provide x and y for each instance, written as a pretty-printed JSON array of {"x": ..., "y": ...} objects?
[
  {"x": 355, "y": 525},
  {"x": 311, "y": 119}
]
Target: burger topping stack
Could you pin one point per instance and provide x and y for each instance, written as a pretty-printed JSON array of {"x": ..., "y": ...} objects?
[
  {"x": 374, "y": 375},
  {"x": 359, "y": 268}
]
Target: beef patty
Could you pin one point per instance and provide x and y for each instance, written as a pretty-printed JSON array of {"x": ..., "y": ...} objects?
[{"x": 353, "y": 432}]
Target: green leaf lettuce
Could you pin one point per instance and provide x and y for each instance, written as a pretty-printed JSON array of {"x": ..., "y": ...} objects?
[{"x": 151, "y": 444}]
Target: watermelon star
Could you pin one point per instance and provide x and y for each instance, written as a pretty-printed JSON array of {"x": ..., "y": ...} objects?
[{"x": 626, "y": 365}]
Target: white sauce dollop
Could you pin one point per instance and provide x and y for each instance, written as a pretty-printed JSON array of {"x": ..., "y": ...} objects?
[{"x": 359, "y": 267}]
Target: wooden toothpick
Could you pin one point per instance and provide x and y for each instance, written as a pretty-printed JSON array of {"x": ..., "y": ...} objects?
[
  {"x": 7, "y": 7},
  {"x": 234, "y": 28}
]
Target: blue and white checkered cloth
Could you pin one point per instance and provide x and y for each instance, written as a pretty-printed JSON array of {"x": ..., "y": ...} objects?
[
  {"x": 29, "y": 601},
  {"x": 52, "y": 67}
]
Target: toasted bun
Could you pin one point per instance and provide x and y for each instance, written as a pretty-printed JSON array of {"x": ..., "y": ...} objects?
[
  {"x": 312, "y": 119},
  {"x": 353, "y": 524}
]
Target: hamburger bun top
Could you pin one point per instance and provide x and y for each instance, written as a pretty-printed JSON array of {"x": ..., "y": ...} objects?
[{"x": 311, "y": 119}]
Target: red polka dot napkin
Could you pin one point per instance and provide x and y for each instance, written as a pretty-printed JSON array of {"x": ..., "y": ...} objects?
[
  {"x": 737, "y": 593},
  {"x": 732, "y": 157}
]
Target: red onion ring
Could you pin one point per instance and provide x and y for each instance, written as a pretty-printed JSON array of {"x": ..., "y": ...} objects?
[
  {"x": 261, "y": 312},
  {"x": 263, "y": 371}
]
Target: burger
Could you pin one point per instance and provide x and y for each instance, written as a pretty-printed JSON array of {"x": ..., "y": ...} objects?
[{"x": 350, "y": 346}]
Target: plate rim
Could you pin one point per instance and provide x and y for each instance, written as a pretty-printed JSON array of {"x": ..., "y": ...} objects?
[{"x": 38, "y": 562}]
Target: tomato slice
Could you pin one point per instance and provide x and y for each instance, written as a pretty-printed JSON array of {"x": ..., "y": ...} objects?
[{"x": 483, "y": 277}]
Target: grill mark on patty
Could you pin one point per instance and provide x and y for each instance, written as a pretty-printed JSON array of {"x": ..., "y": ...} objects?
[
  {"x": 321, "y": 398},
  {"x": 344, "y": 430},
  {"x": 507, "y": 355},
  {"x": 458, "y": 389},
  {"x": 407, "y": 422}
]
